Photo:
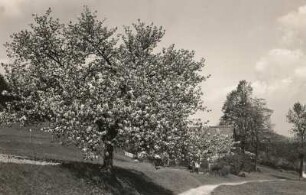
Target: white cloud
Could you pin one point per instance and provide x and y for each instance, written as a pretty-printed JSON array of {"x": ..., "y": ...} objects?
[
  {"x": 260, "y": 87},
  {"x": 300, "y": 72},
  {"x": 281, "y": 73},
  {"x": 287, "y": 81},
  {"x": 289, "y": 60},
  {"x": 293, "y": 26},
  {"x": 279, "y": 64},
  {"x": 265, "y": 88},
  {"x": 10, "y": 7}
]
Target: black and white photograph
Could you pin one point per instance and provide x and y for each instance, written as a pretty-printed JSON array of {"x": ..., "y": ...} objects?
[{"x": 152, "y": 97}]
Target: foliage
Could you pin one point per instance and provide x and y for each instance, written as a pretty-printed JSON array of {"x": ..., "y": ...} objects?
[
  {"x": 276, "y": 151},
  {"x": 247, "y": 114},
  {"x": 236, "y": 111},
  {"x": 3, "y": 84},
  {"x": 249, "y": 117},
  {"x": 235, "y": 161},
  {"x": 101, "y": 89},
  {"x": 297, "y": 116},
  {"x": 206, "y": 145},
  {"x": 4, "y": 88}
]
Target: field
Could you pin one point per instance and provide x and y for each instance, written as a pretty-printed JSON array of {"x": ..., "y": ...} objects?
[
  {"x": 77, "y": 176},
  {"x": 264, "y": 188}
]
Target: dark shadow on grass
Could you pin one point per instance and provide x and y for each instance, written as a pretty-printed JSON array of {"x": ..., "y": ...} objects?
[{"x": 120, "y": 181}]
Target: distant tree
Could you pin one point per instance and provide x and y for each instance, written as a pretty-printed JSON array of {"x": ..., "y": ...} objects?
[
  {"x": 297, "y": 116},
  {"x": 237, "y": 112},
  {"x": 260, "y": 124},
  {"x": 102, "y": 90},
  {"x": 248, "y": 116}
]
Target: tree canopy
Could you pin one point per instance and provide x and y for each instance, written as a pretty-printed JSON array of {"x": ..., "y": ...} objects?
[
  {"x": 99, "y": 89},
  {"x": 297, "y": 116},
  {"x": 248, "y": 116},
  {"x": 207, "y": 144}
]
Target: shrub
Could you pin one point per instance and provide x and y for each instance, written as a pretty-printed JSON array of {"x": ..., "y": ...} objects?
[{"x": 239, "y": 162}]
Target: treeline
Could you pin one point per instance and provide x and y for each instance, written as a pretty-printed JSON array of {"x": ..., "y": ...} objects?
[{"x": 279, "y": 152}]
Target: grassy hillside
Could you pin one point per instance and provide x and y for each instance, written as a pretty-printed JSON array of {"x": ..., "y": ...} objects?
[
  {"x": 264, "y": 188},
  {"x": 74, "y": 178},
  {"x": 35, "y": 144},
  {"x": 77, "y": 176},
  {"x": 129, "y": 176}
]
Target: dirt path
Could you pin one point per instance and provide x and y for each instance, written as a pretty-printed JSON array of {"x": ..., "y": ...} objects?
[
  {"x": 207, "y": 189},
  {"x": 4, "y": 158}
]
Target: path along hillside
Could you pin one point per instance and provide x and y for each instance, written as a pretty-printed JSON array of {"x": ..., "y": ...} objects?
[{"x": 70, "y": 174}]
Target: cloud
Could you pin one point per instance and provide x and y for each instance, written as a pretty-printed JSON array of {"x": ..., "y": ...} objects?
[
  {"x": 300, "y": 72},
  {"x": 10, "y": 7},
  {"x": 285, "y": 66},
  {"x": 278, "y": 57},
  {"x": 266, "y": 88},
  {"x": 281, "y": 72},
  {"x": 293, "y": 27},
  {"x": 279, "y": 64}
]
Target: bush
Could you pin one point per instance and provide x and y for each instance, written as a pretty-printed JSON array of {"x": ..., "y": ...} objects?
[
  {"x": 239, "y": 162},
  {"x": 220, "y": 167},
  {"x": 277, "y": 162},
  {"x": 225, "y": 170}
]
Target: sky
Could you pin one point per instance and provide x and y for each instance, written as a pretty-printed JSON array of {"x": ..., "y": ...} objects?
[{"x": 261, "y": 41}]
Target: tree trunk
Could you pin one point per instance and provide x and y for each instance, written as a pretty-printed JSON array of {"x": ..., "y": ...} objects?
[
  {"x": 256, "y": 152},
  {"x": 108, "y": 158},
  {"x": 301, "y": 157},
  {"x": 108, "y": 161},
  {"x": 256, "y": 158},
  {"x": 111, "y": 133},
  {"x": 301, "y": 165},
  {"x": 242, "y": 166}
]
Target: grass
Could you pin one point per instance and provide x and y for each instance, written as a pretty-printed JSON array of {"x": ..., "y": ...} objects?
[
  {"x": 36, "y": 145},
  {"x": 264, "y": 188},
  {"x": 74, "y": 178},
  {"x": 129, "y": 176},
  {"x": 77, "y": 176}
]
